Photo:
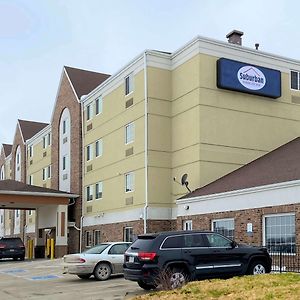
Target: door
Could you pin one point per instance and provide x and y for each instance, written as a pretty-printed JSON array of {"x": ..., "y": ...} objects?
[{"x": 116, "y": 256}]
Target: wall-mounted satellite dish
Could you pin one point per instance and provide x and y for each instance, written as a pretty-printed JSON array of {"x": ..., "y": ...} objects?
[{"x": 185, "y": 182}]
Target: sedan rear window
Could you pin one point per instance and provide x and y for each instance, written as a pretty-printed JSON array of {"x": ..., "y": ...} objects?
[{"x": 97, "y": 249}]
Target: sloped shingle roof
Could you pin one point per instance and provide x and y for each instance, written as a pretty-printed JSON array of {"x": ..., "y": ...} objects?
[
  {"x": 279, "y": 165},
  {"x": 7, "y": 149},
  {"x": 30, "y": 128},
  {"x": 84, "y": 81}
]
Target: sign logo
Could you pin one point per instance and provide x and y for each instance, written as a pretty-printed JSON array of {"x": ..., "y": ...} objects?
[{"x": 251, "y": 78}]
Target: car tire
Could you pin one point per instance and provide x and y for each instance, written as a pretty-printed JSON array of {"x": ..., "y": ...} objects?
[
  {"x": 177, "y": 278},
  {"x": 22, "y": 257},
  {"x": 84, "y": 276},
  {"x": 102, "y": 271},
  {"x": 15, "y": 258},
  {"x": 146, "y": 286},
  {"x": 257, "y": 268}
]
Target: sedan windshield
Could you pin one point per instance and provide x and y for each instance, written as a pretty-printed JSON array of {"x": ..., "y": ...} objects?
[{"x": 97, "y": 249}]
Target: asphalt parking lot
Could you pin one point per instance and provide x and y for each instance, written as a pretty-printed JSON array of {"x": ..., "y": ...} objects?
[{"x": 43, "y": 279}]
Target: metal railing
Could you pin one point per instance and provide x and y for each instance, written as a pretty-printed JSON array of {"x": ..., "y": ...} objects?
[{"x": 285, "y": 258}]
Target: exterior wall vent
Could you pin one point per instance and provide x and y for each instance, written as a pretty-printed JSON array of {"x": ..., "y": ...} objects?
[
  {"x": 65, "y": 176},
  {"x": 89, "y": 209},
  {"x": 44, "y": 154},
  {"x": 129, "y": 103},
  {"x": 129, "y": 200},
  {"x": 31, "y": 162},
  {"x": 89, "y": 127},
  {"x": 65, "y": 139},
  {"x": 89, "y": 168},
  {"x": 129, "y": 151}
]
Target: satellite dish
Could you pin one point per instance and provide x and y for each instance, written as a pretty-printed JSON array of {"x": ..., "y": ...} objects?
[{"x": 183, "y": 179}]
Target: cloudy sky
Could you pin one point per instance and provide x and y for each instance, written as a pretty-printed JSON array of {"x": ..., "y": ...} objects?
[{"x": 37, "y": 38}]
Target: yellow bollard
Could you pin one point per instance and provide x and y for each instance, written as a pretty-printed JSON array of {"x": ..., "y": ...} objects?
[
  {"x": 31, "y": 249},
  {"x": 52, "y": 249},
  {"x": 48, "y": 246},
  {"x": 28, "y": 249}
]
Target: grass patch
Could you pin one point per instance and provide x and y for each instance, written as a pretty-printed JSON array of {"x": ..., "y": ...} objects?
[{"x": 261, "y": 287}]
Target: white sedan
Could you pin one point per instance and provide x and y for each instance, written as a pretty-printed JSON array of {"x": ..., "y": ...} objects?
[{"x": 101, "y": 261}]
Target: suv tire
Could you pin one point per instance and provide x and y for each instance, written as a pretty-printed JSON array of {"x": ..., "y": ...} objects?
[
  {"x": 177, "y": 277},
  {"x": 146, "y": 286},
  {"x": 257, "y": 267},
  {"x": 102, "y": 271}
]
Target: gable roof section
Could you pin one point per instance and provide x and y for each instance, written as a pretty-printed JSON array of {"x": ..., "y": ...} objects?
[
  {"x": 279, "y": 165},
  {"x": 84, "y": 81},
  {"x": 16, "y": 187},
  {"x": 30, "y": 128},
  {"x": 7, "y": 149}
]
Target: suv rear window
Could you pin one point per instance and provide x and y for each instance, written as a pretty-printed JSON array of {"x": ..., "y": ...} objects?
[
  {"x": 143, "y": 243},
  {"x": 12, "y": 242}
]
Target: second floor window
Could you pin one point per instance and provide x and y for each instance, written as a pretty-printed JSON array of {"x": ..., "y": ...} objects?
[
  {"x": 98, "y": 189},
  {"x": 295, "y": 80},
  {"x": 129, "y": 133},
  {"x": 89, "y": 153},
  {"x": 129, "y": 182},
  {"x": 89, "y": 193},
  {"x": 128, "y": 84},
  {"x": 98, "y": 104},
  {"x": 98, "y": 148}
]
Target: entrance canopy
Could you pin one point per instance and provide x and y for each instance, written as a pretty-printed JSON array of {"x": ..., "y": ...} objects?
[{"x": 19, "y": 195}]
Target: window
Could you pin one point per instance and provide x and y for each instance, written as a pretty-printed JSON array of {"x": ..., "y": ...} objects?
[
  {"x": 30, "y": 150},
  {"x": 279, "y": 233},
  {"x": 295, "y": 80},
  {"x": 194, "y": 240},
  {"x": 44, "y": 173},
  {"x": 173, "y": 242},
  {"x": 49, "y": 139},
  {"x": 44, "y": 142},
  {"x": 49, "y": 171},
  {"x": 89, "y": 154},
  {"x": 97, "y": 237},
  {"x": 30, "y": 212},
  {"x": 129, "y": 133},
  {"x": 128, "y": 84},
  {"x": 17, "y": 213},
  {"x": 118, "y": 249},
  {"x": 64, "y": 163},
  {"x": 98, "y": 189},
  {"x": 98, "y": 104},
  {"x": 30, "y": 180},
  {"x": 217, "y": 241},
  {"x": 89, "y": 193},
  {"x": 88, "y": 239},
  {"x": 187, "y": 225},
  {"x": 128, "y": 234},
  {"x": 224, "y": 226},
  {"x": 129, "y": 182},
  {"x": 98, "y": 148},
  {"x": 89, "y": 112},
  {"x": 2, "y": 173},
  {"x": 64, "y": 127}
]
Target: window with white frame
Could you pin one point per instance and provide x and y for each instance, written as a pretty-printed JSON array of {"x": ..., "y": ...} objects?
[
  {"x": 98, "y": 105},
  {"x": 97, "y": 237},
  {"x": 224, "y": 226},
  {"x": 129, "y": 133},
  {"x": 295, "y": 80},
  {"x": 49, "y": 172},
  {"x": 30, "y": 151},
  {"x": 44, "y": 142},
  {"x": 64, "y": 126},
  {"x": 64, "y": 162},
  {"x": 128, "y": 234},
  {"x": 279, "y": 233},
  {"x": 30, "y": 179},
  {"x": 89, "y": 193},
  {"x": 2, "y": 173},
  {"x": 88, "y": 238},
  {"x": 17, "y": 213},
  {"x": 44, "y": 173},
  {"x": 129, "y": 182},
  {"x": 89, "y": 152},
  {"x": 98, "y": 148},
  {"x": 128, "y": 84},
  {"x": 187, "y": 225},
  {"x": 89, "y": 112},
  {"x": 98, "y": 190},
  {"x": 49, "y": 139},
  {"x": 30, "y": 212}
]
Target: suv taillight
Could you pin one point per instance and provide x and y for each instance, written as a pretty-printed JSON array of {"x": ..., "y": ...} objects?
[{"x": 146, "y": 256}]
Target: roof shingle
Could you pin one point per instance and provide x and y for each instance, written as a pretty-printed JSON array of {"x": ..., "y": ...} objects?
[
  {"x": 30, "y": 128},
  {"x": 7, "y": 149}
]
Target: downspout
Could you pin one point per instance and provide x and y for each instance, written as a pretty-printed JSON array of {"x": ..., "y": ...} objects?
[
  {"x": 146, "y": 142},
  {"x": 82, "y": 176}
]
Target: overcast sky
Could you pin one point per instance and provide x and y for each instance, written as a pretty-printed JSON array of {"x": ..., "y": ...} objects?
[{"x": 37, "y": 38}]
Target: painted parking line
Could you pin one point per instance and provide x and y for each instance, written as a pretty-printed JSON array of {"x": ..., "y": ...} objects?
[
  {"x": 13, "y": 271},
  {"x": 45, "y": 277}
]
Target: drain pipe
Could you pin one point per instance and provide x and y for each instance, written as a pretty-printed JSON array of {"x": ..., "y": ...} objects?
[{"x": 146, "y": 141}]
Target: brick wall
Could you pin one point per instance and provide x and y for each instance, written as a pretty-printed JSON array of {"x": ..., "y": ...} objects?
[
  {"x": 67, "y": 99},
  {"x": 241, "y": 218}
]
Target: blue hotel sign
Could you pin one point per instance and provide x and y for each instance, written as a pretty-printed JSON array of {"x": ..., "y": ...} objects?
[{"x": 237, "y": 76}]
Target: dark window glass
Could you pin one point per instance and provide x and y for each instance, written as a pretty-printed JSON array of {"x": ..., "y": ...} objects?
[
  {"x": 294, "y": 80},
  {"x": 194, "y": 240},
  {"x": 118, "y": 249},
  {"x": 216, "y": 240},
  {"x": 173, "y": 242}
]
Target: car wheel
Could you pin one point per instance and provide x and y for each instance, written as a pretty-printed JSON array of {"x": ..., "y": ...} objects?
[
  {"x": 15, "y": 258},
  {"x": 102, "y": 271},
  {"x": 146, "y": 286},
  {"x": 22, "y": 257},
  {"x": 177, "y": 278},
  {"x": 257, "y": 267},
  {"x": 84, "y": 276}
]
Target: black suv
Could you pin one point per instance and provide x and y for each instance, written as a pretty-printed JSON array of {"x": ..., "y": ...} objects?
[
  {"x": 190, "y": 255},
  {"x": 12, "y": 248}
]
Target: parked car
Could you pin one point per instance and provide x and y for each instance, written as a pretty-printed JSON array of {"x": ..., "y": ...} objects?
[
  {"x": 12, "y": 248},
  {"x": 101, "y": 261},
  {"x": 190, "y": 255}
]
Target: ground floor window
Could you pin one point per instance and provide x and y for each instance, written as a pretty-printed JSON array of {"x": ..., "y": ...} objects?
[
  {"x": 279, "y": 233},
  {"x": 224, "y": 226},
  {"x": 187, "y": 225},
  {"x": 88, "y": 238},
  {"x": 128, "y": 234},
  {"x": 97, "y": 237}
]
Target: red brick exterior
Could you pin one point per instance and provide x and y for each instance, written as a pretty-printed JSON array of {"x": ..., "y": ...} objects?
[
  {"x": 67, "y": 99},
  {"x": 241, "y": 218}
]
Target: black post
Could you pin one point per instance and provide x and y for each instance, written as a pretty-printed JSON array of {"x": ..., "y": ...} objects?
[{"x": 280, "y": 259}]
